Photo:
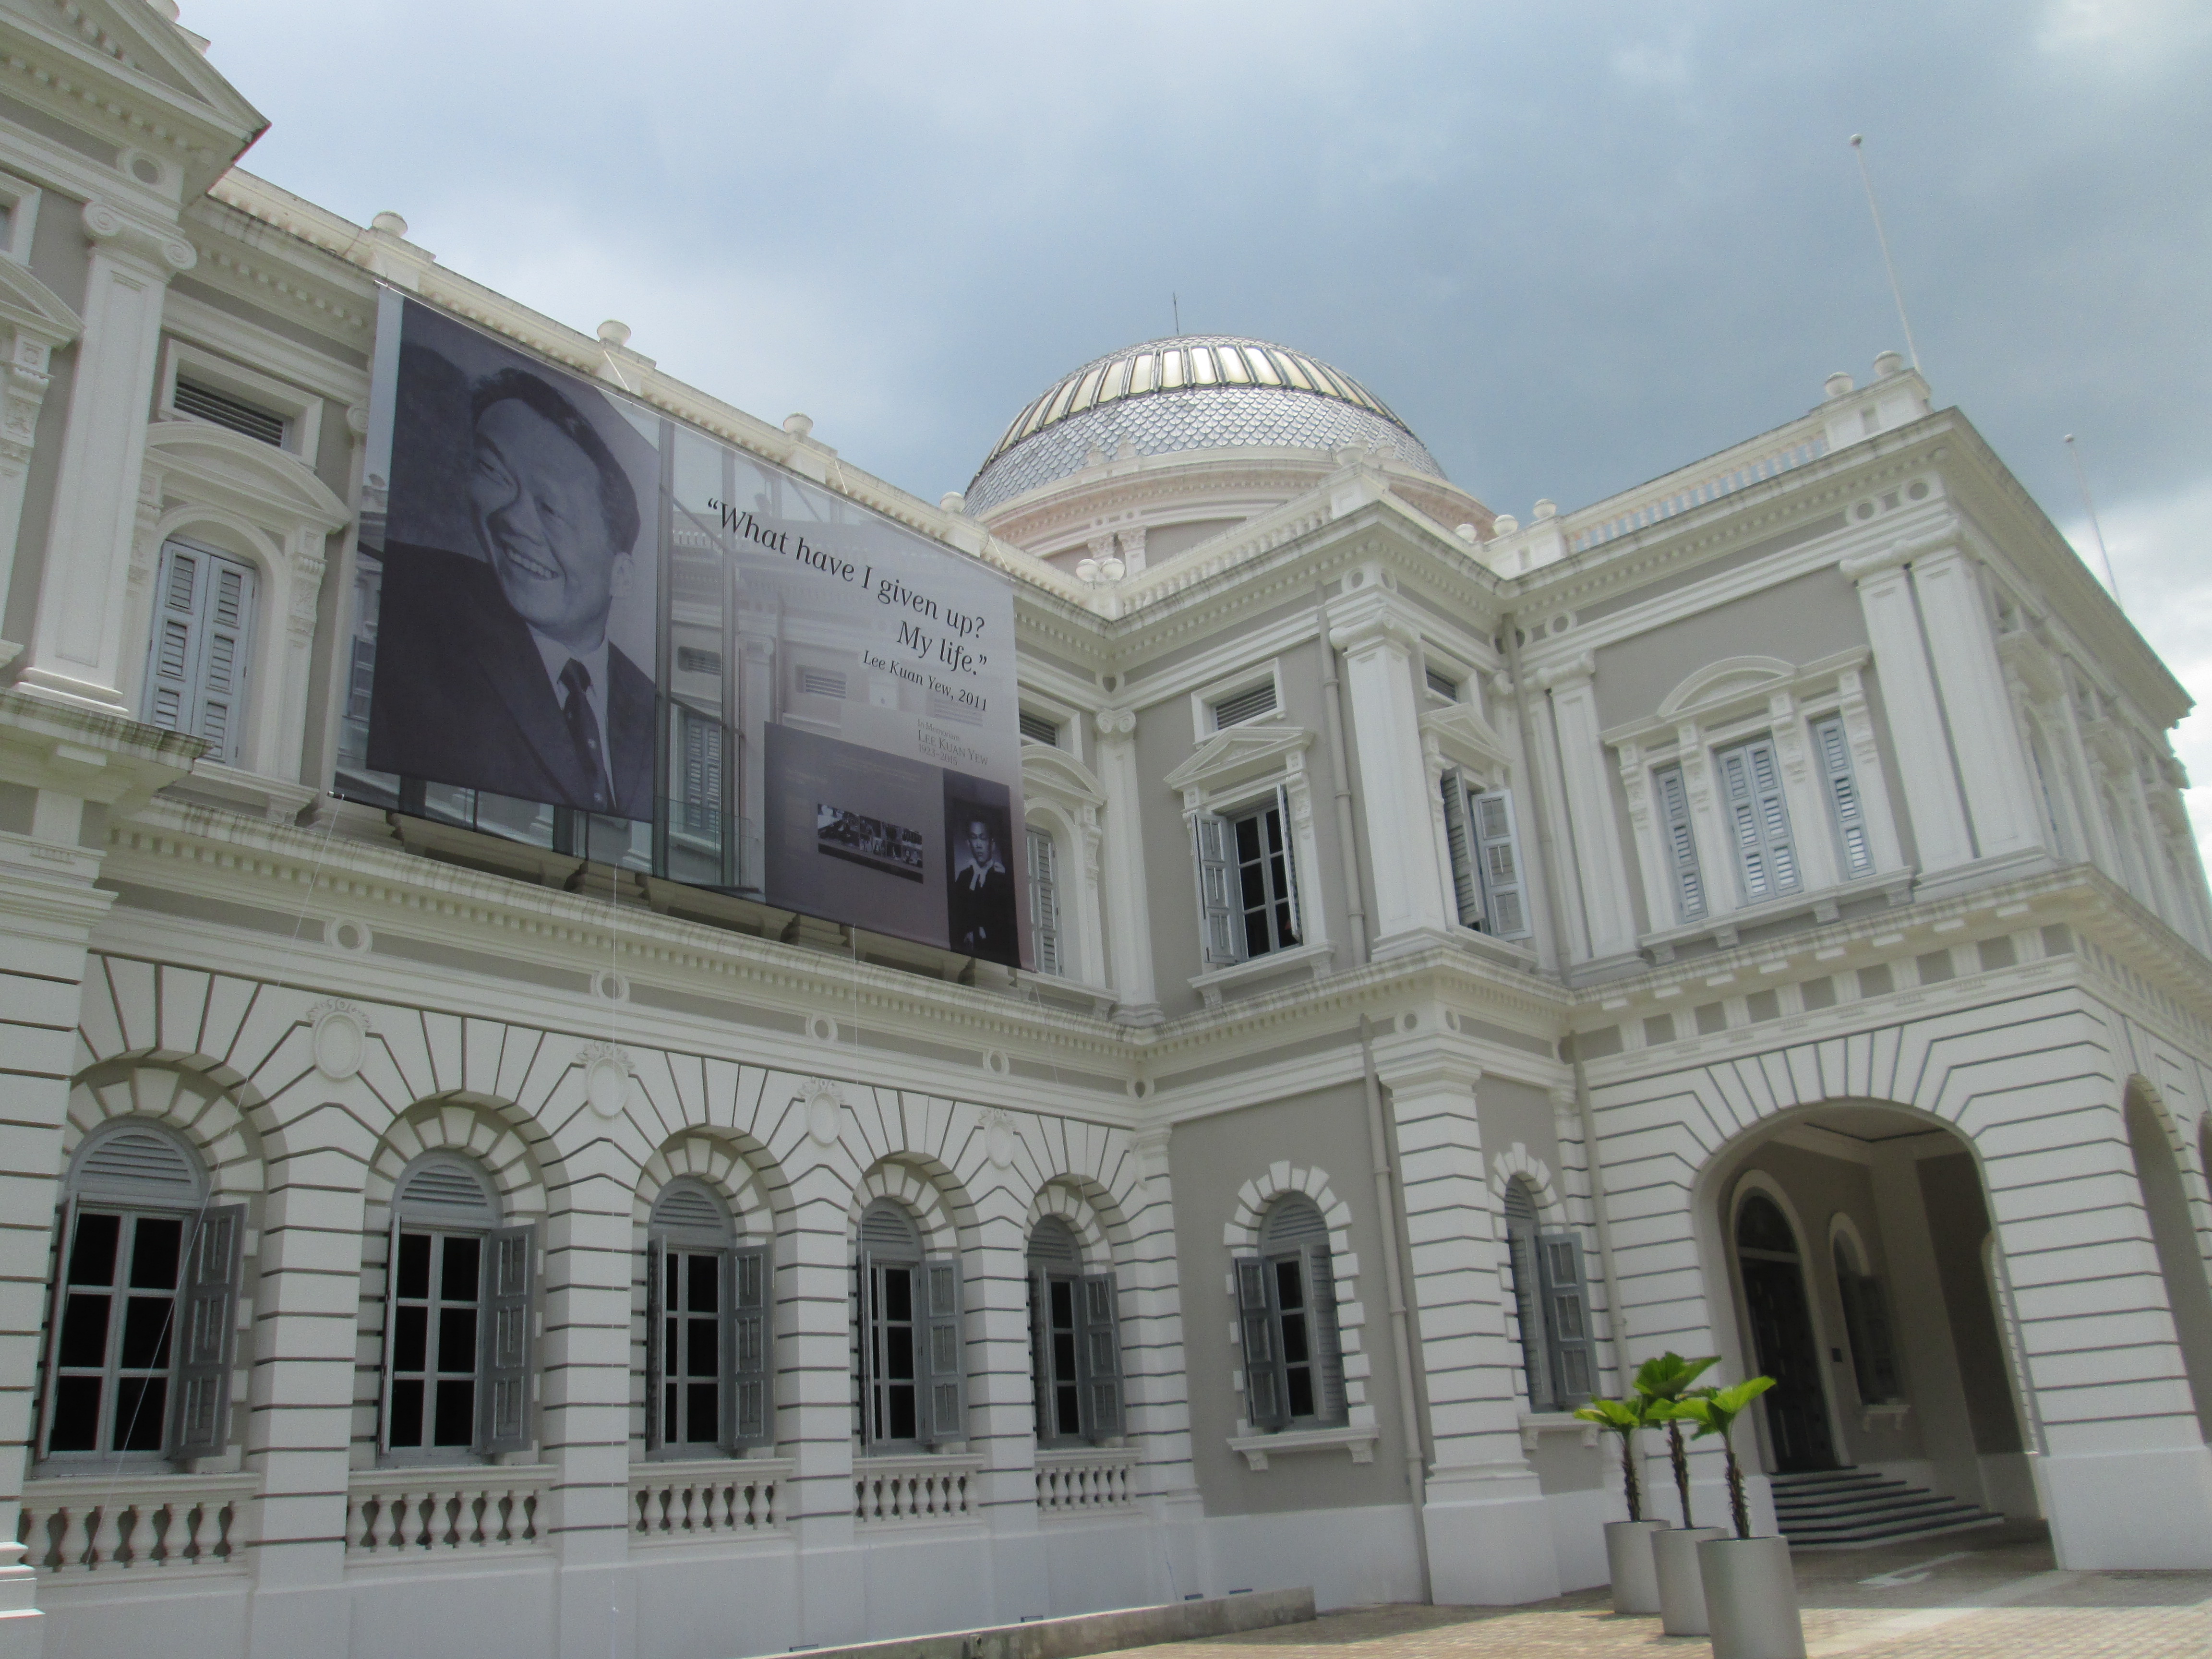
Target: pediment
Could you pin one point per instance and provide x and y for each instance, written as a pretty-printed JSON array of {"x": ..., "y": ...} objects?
[
  {"x": 1229, "y": 757},
  {"x": 259, "y": 478},
  {"x": 28, "y": 304},
  {"x": 1055, "y": 771},
  {"x": 1726, "y": 681},
  {"x": 1463, "y": 734}
]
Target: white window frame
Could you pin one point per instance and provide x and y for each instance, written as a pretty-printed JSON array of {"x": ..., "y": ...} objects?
[
  {"x": 300, "y": 410},
  {"x": 193, "y": 640},
  {"x": 1471, "y": 865},
  {"x": 1219, "y": 825},
  {"x": 1204, "y": 701},
  {"x": 1762, "y": 838}
]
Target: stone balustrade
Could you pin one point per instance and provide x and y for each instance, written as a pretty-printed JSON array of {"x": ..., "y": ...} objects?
[
  {"x": 153, "y": 1524},
  {"x": 708, "y": 1500},
  {"x": 1091, "y": 1479},
  {"x": 394, "y": 1513}
]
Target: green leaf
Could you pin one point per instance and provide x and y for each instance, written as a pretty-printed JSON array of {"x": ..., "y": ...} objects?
[
  {"x": 1618, "y": 1415},
  {"x": 1670, "y": 1375}
]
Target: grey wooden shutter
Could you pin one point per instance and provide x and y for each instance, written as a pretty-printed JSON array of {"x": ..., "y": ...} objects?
[
  {"x": 1527, "y": 1296},
  {"x": 1217, "y": 888},
  {"x": 391, "y": 1319},
  {"x": 1843, "y": 796},
  {"x": 1498, "y": 845},
  {"x": 1263, "y": 1365},
  {"x": 656, "y": 1341},
  {"x": 944, "y": 1380},
  {"x": 1098, "y": 1355},
  {"x": 1044, "y": 903},
  {"x": 1682, "y": 844},
  {"x": 1040, "y": 1352},
  {"x": 197, "y": 660},
  {"x": 1766, "y": 857},
  {"x": 1289, "y": 864},
  {"x": 503, "y": 1341},
  {"x": 57, "y": 1288},
  {"x": 207, "y": 1309},
  {"x": 1328, "y": 1341},
  {"x": 750, "y": 1345},
  {"x": 1566, "y": 1305},
  {"x": 1458, "y": 847}
]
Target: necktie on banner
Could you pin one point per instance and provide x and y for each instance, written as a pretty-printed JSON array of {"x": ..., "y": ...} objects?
[{"x": 584, "y": 730}]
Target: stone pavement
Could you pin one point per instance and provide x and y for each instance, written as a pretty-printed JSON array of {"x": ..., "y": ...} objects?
[{"x": 1975, "y": 1595}]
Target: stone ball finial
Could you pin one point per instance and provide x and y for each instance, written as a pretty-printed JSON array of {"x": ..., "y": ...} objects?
[
  {"x": 614, "y": 333},
  {"x": 389, "y": 222},
  {"x": 952, "y": 501},
  {"x": 1465, "y": 532},
  {"x": 1546, "y": 508},
  {"x": 1840, "y": 383},
  {"x": 1504, "y": 525},
  {"x": 799, "y": 425},
  {"x": 1889, "y": 363}
]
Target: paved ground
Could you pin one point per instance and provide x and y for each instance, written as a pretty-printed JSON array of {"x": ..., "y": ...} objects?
[{"x": 1997, "y": 1596}]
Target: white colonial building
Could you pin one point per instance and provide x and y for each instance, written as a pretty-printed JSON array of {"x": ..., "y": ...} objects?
[{"x": 1753, "y": 914}]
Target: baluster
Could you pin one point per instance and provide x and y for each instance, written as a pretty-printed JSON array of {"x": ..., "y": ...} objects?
[
  {"x": 718, "y": 1495},
  {"x": 139, "y": 1534},
  {"x": 182, "y": 1544},
  {"x": 76, "y": 1537},
  {"x": 691, "y": 1497},
  {"x": 660, "y": 1504},
  {"x": 409, "y": 1514},
  {"x": 106, "y": 1537}
]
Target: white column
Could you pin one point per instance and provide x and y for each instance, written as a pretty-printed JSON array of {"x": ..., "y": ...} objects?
[
  {"x": 25, "y": 365},
  {"x": 1984, "y": 735},
  {"x": 1128, "y": 922},
  {"x": 86, "y": 629},
  {"x": 1908, "y": 694},
  {"x": 1158, "y": 1392},
  {"x": 1489, "y": 1533},
  {"x": 1601, "y": 873},
  {"x": 814, "y": 1394},
  {"x": 1867, "y": 773},
  {"x": 1378, "y": 646}
]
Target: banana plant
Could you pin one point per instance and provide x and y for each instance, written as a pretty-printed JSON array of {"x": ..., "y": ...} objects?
[
  {"x": 1623, "y": 1418},
  {"x": 1715, "y": 1412},
  {"x": 1659, "y": 1384}
]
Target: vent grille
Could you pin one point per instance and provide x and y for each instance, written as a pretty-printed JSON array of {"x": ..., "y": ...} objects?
[
  {"x": 1296, "y": 1219},
  {"x": 1038, "y": 729},
  {"x": 1520, "y": 1204},
  {"x": 206, "y": 403},
  {"x": 141, "y": 1161},
  {"x": 447, "y": 1189},
  {"x": 821, "y": 683},
  {"x": 691, "y": 1206},
  {"x": 694, "y": 661},
  {"x": 1444, "y": 685},
  {"x": 887, "y": 1230},
  {"x": 1052, "y": 1244},
  {"x": 1244, "y": 705}
]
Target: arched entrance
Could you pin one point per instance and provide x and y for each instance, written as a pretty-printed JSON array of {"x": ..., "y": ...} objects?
[{"x": 1770, "y": 1266}]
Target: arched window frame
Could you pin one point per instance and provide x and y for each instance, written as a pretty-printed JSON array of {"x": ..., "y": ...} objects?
[
  {"x": 192, "y": 1340},
  {"x": 1550, "y": 1294},
  {"x": 1867, "y": 1329},
  {"x": 436, "y": 1224},
  {"x": 912, "y": 1369},
  {"x": 705, "y": 1286},
  {"x": 1075, "y": 1340},
  {"x": 1286, "y": 1314}
]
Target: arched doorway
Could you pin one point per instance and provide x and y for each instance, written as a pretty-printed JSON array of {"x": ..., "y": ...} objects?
[
  {"x": 2173, "y": 1235},
  {"x": 1772, "y": 1268}
]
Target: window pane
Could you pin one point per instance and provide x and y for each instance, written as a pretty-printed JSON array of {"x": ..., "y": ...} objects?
[
  {"x": 704, "y": 1273},
  {"x": 92, "y": 1258},
  {"x": 457, "y": 1340},
  {"x": 155, "y": 1245},
  {"x": 76, "y": 1414},
  {"x": 898, "y": 1293},
  {"x": 459, "y": 1280},
  {"x": 414, "y": 1276},
  {"x": 457, "y": 1414},
  {"x": 898, "y": 1353},
  {"x": 706, "y": 1407},
  {"x": 1302, "y": 1390},
  {"x": 1290, "y": 1287},
  {"x": 410, "y": 1338},
  {"x": 84, "y": 1331},
  {"x": 141, "y": 1404},
  {"x": 700, "y": 1361},
  {"x": 146, "y": 1322},
  {"x": 1067, "y": 1409},
  {"x": 407, "y": 1413},
  {"x": 900, "y": 1425}
]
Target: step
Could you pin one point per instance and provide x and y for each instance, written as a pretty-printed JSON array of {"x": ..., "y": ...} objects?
[
  {"x": 1923, "y": 1514},
  {"x": 1902, "y": 1536}
]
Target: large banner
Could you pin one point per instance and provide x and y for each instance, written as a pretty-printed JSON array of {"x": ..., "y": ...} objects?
[{"x": 585, "y": 626}]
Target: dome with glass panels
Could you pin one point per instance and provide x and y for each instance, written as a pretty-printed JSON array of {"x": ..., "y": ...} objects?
[{"x": 1193, "y": 393}]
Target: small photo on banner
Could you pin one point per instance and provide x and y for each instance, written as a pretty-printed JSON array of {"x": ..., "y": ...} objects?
[{"x": 982, "y": 913}]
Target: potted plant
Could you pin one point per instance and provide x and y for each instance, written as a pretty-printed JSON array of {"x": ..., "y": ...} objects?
[
  {"x": 1751, "y": 1594},
  {"x": 1628, "y": 1543},
  {"x": 1662, "y": 1384}
]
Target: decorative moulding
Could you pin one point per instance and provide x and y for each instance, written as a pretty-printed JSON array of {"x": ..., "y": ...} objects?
[
  {"x": 606, "y": 1078},
  {"x": 825, "y": 1111},
  {"x": 1241, "y": 753},
  {"x": 998, "y": 1139},
  {"x": 1257, "y": 1448},
  {"x": 340, "y": 1040}
]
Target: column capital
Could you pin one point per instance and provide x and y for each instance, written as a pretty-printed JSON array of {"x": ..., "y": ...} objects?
[
  {"x": 159, "y": 247},
  {"x": 1116, "y": 725},
  {"x": 1568, "y": 673},
  {"x": 1369, "y": 621}
]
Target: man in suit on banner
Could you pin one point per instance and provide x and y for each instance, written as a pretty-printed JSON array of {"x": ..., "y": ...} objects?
[{"x": 497, "y": 673}]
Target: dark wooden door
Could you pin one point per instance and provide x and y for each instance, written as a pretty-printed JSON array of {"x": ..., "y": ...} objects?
[{"x": 1781, "y": 1332}]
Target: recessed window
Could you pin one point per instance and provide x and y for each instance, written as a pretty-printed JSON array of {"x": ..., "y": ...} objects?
[
  {"x": 1075, "y": 1341},
  {"x": 1846, "y": 812},
  {"x": 1038, "y": 729},
  {"x": 1759, "y": 821},
  {"x": 1248, "y": 704},
  {"x": 1248, "y": 882},
  {"x": 205, "y": 403},
  {"x": 1442, "y": 686},
  {"x": 1286, "y": 1320},
  {"x": 200, "y": 655},
  {"x": 1486, "y": 858},
  {"x": 708, "y": 1339},
  {"x": 1552, "y": 1303},
  {"x": 913, "y": 1371},
  {"x": 1687, "y": 880},
  {"x": 1044, "y": 902}
]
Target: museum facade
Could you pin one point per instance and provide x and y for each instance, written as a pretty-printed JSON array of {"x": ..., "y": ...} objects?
[{"x": 1752, "y": 914}]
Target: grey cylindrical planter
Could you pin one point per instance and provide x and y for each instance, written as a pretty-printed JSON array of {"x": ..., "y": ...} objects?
[
  {"x": 1681, "y": 1584},
  {"x": 1751, "y": 1598},
  {"x": 1628, "y": 1553}
]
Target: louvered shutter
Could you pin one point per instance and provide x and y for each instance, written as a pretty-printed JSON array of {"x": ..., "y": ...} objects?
[
  {"x": 1290, "y": 865},
  {"x": 702, "y": 774},
  {"x": 750, "y": 1346},
  {"x": 657, "y": 1342},
  {"x": 1328, "y": 1341},
  {"x": 175, "y": 649},
  {"x": 391, "y": 1325},
  {"x": 1458, "y": 847},
  {"x": 1566, "y": 1305},
  {"x": 57, "y": 1288},
  {"x": 207, "y": 1309},
  {"x": 1528, "y": 1297},
  {"x": 503, "y": 1342},
  {"x": 1764, "y": 854},
  {"x": 1843, "y": 796},
  {"x": 1498, "y": 845},
  {"x": 943, "y": 1414},
  {"x": 1098, "y": 1356},
  {"x": 197, "y": 660},
  {"x": 1044, "y": 903},
  {"x": 1217, "y": 888},
  {"x": 1682, "y": 844},
  {"x": 1256, "y": 1319},
  {"x": 1881, "y": 1348},
  {"x": 1040, "y": 1351}
]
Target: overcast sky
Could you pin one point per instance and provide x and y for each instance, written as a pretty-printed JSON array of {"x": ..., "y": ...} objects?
[{"x": 1574, "y": 246}]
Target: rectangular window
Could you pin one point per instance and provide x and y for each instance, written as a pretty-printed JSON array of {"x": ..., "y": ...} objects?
[
  {"x": 708, "y": 1346},
  {"x": 913, "y": 1352},
  {"x": 1287, "y": 1324},
  {"x": 1687, "y": 880},
  {"x": 457, "y": 1341},
  {"x": 1484, "y": 848},
  {"x": 204, "y": 402},
  {"x": 1246, "y": 705},
  {"x": 1038, "y": 729},
  {"x": 821, "y": 683},
  {"x": 1442, "y": 685},
  {"x": 1248, "y": 882},
  {"x": 1044, "y": 903},
  {"x": 1076, "y": 1356},
  {"x": 1845, "y": 807},
  {"x": 196, "y": 661},
  {"x": 1751, "y": 787},
  {"x": 1566, "y": 1318}
]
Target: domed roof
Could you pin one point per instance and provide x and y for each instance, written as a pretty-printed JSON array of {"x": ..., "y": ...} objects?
[{"x": 1195, "y": 391}]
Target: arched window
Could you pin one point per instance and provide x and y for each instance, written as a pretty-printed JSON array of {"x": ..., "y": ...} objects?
[
  {"x": 1286, "y": 1310},
  {"x": 456, "y": 1317},
  {"x": 1866, "y": 1325},
  {"x": 1553, "y": 1302},
  {"x": 708, "y": 1336},
  {"x": 913, "y": 1356},
  {"x": 1075, "y": 1341},
  {"x": 140, "y": 1337}
]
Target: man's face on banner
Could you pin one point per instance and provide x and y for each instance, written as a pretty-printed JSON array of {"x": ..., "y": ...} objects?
[
  {"x": 980, "y": 843},
  {"x": 543, "y": 525}
]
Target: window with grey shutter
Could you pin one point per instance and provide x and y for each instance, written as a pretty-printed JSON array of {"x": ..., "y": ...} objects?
[
  {"x": 1100, "y": 1356},
  {"x": 943, "y": 1351},
  {"x": 693, "y": 1323},
  {"x": 1044, "y": 903},
  {"x": 1291, "y": 922},
  {"x": 1527, "y": 1293},
  {"x": 1844, "y": 806},
  {"x": 1498, "y": 848},
  {"x": 1566, "y": 1310},
  {"x": 505, "y": 1365},
  {"x": 1751, "y": 786},
  {"x": 751, "y": 1348},
  {"x": 1866, "y": 1327},
  {"x": 197, "y": 659},
  {"x": 1291, "y": 1289},
  {"x": 1038, "y": 729},
  {"x": 699, "y": 744},
  {"x": 207, "y": 1309},
  {"x": 1215, "y": 896},
  {"x": 1247, "y": 886},
  {"x": 1248, "y": 704},
  {"x": 1255, "y": 1325},
  {"x": 1055, "y": 1273},
  {"x": 1689, "y": 881},
  {"x": 1458, "y": 847},
  {"x": 894, "y": 1329},
  {"x": 659, "y": 1408}
]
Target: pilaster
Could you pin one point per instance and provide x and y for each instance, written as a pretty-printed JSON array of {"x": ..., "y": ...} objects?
[
  {"x": 1128, "y": 924},
  {"x": 1602, "y": 874},
  {"x": 2000, "y": 800},
  {"x": 37, "y": 324},
  {"x": 1908, "y": 687}
]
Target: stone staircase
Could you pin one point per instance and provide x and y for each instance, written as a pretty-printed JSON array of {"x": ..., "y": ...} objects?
[{"x": 1849, "y": 1509}]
